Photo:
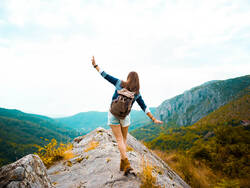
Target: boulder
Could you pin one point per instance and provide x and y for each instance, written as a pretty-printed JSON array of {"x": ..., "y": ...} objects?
[{"x": 28, "y": 171}]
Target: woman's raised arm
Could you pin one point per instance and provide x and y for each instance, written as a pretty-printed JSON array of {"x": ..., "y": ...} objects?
[{"x": 116, "y": 82}]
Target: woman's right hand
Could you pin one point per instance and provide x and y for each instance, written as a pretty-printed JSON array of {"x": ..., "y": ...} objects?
[{"x": 93, "y": 61}]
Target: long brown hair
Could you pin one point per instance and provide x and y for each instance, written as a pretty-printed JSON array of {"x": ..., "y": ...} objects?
[{"x": 132, "y": 83}]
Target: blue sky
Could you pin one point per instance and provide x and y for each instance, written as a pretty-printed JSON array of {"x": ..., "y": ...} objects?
[{"x": 46, "y": 47}]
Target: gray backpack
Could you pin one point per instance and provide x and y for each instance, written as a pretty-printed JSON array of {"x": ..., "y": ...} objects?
[{"x": 121, "y": 106}]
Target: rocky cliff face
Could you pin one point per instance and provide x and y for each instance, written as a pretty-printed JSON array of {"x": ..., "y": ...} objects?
[
  {"x": 28, "y": 171},
  {"x": 93, "y": 168},
  {"x": 192, "y": 105}
]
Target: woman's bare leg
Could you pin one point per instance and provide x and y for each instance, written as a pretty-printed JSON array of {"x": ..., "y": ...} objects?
[
  {"x": 124, "y": 134},
  {"x": 116, "y": 129}
]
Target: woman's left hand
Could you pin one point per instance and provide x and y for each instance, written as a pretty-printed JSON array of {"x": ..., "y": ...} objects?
[{"x": 158, "y": 122}]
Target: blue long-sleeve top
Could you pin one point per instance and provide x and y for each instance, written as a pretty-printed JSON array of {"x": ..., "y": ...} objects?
[{"x": 117, "y": 83}]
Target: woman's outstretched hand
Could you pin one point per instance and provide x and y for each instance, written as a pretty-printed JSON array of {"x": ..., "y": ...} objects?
[
  {"x": 94, "y": 64},
  {"x": 93, "y": 61},
  {"x": 150, "y": 115},
  {"x": 158, "y": 121}
]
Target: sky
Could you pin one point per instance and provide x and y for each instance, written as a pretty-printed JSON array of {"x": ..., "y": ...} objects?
[{"x": 46, "y": 48}]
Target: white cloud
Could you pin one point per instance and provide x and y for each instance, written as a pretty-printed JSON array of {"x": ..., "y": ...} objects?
[
  {"x": 2, "y": 22},
  {"x": 45, "y": 65}
]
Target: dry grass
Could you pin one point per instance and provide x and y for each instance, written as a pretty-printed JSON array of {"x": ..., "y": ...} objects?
[
  {"x": 129, "y": 148},
  {"x": 92, "y": 145},
  {"x": 228, "y": 184},
  {"x": 244, "y": 182},
  {"x": 69, "y": 163},
  {"x": 108, "y": 160},
  {"x": 195, "y": 173},
  {"x": 54, "y": 183},
  {"x": 53, "y": 152},
  {"x": 158, "y": 170},
  {"x": 148, "y": 180},
  {"x": 79, "y": 159},
  {"x": 56, "y": 172},
  {"x": 68, "y": 154}
]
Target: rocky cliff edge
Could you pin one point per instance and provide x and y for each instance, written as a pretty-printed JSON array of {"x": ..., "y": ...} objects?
[{"x": 90, "y": 167}]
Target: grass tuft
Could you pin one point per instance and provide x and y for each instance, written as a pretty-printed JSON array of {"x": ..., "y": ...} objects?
[
  {"x": 69, "y": 164},
  {"x": 92, "y": 145},
  {"x": 129, "y": 148},
  {"x": 53, "y": 152},
  {"x": 79, "y": 159},
  {"x": 148, "y": 180}
]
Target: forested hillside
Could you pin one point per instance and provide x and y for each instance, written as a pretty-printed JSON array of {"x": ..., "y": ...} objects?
[
  {"x": 219, "y": 140},
  {"x": 20, "y": 131}
]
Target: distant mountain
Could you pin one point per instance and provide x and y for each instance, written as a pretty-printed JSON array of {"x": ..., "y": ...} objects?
[
  {"x": 19, "y": 131},
  {"x": 192, "y": 105},
  {"x": 88, "y": 121},
  {"x": 232, "y": 114}
]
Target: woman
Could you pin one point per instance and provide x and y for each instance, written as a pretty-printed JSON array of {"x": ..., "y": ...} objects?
[{"x": 120, "y": 126}]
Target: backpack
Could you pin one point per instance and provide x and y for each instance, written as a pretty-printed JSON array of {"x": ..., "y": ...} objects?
[{"x": 121, "y": 106}]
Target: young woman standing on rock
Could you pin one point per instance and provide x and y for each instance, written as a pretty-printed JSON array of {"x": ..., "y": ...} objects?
[{"x": 120, "y": 126}]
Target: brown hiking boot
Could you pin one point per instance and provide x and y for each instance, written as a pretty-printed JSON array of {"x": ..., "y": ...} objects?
[
  {"x": 127, "y": 168},
  {"x": 122, "y": 165}
]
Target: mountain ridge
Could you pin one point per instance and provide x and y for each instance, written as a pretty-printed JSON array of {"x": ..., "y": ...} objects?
[{"x": 190, "y": 106}]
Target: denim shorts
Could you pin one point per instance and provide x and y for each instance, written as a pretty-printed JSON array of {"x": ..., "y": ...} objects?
[{"x": 112, "y": 120}]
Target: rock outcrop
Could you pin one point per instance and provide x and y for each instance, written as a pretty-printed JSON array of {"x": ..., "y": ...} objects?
[
  {"x": 28, "y": 171},
  {"x": 96, "y": 163},
  {"x": 192, "y": 105}
]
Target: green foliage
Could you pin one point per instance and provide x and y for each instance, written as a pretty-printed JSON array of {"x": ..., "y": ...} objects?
[
  {"x": 175, "y": 138},
  {"x": 148, "y": 132},
  {"x": 227, "y": 151}
]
